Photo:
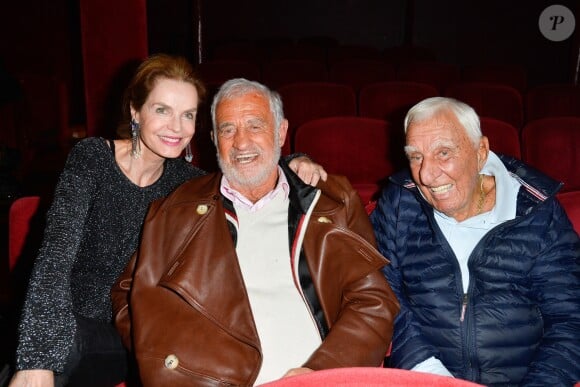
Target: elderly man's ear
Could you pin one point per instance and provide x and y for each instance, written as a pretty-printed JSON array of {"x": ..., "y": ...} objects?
[
  {"x": 482, "y": 151},
  {"x": 283, "y": 131}
]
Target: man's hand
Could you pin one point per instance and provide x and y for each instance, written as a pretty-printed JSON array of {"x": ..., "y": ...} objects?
[
  {"x": 308, "y": 170},
  {"x": 297, "y": 371},
  {"x": 32, "y": 378}
]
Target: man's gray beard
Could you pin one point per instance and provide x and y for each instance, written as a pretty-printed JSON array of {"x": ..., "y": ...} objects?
[{"x": 237, "y": 180}]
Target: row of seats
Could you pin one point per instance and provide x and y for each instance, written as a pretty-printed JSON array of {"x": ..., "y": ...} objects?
[
  {"x": 27, "y": 214},
  {"x": 305, "y": 101},
  {"x": 502, "y": 93},
  {"x": 320, "y": 50},
  {"x": 359, "y": 71},
  {"x": 366, "y": 150},
  {"x": 368, "y": 63}
]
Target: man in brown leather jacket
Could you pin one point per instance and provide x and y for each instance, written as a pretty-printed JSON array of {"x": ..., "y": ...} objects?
[{"x": 249, "y": 275}]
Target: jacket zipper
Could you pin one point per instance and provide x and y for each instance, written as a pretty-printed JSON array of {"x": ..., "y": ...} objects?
[{"x": 463, "y": 307}]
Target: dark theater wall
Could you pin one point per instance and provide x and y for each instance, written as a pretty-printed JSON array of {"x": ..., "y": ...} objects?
[
  {"x": 460, "y": 32},
  {"x": 43, "y": 36}
]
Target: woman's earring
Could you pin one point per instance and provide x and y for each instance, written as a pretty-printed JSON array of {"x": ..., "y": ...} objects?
[
  {"x": 135, "y": 143},
  {"x": 188, "y": 154}
]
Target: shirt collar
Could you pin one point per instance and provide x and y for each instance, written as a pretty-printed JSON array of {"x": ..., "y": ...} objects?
[{"x": 238, "y": 199}]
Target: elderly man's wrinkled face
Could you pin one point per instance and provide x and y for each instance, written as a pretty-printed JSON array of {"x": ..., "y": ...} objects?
[
  {"x": 248, "y": 143},
  {"x": 445, "y": 164}
]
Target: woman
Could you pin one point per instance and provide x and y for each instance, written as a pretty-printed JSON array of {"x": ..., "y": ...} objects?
[{"x": 93, "y": 227}]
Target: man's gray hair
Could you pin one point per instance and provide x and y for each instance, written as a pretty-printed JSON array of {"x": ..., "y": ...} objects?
[
  {"x": 238, "y": 87},
  {"x": 464, "y": 113}
]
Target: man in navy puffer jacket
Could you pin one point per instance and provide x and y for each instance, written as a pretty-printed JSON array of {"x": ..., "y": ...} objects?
[{"x": 484, "y": 260}]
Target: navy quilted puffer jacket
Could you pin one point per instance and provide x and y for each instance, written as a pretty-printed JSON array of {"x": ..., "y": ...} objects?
[{"x": 521, "y": 324}]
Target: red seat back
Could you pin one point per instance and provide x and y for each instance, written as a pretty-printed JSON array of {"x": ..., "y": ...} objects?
[
  {"x": 552, "y": 145},
  {"x": 311, "y": 100},
  {"x": 491, "y": 100},
  {"x": 505, "y": 74},
  {"x": 438, "y": 74},
  {"x": 214, "y": 73},
  {"x": 552, "y": 100},
  {"x": 21, "y": 214},
  {"x": 391, "y": 100},
  {"x": 356, "y": 147},
  {"x": 343, "y": 52},
  {"x": 503, "y": 137},
  {"x": 369, "y": 377},
  {"x": 361, "y": 72},
  {"x": 571, "y": 202},
  {"x": 278, "y": 73}
]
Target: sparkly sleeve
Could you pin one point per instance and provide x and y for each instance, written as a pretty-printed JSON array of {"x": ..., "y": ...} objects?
[{"x": 47, "y": 325}]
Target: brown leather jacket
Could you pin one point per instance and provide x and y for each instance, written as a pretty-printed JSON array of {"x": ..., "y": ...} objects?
[{"x": 189, "y": 321}]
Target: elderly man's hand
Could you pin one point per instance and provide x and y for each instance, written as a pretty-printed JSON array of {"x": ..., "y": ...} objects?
[
  {"x": 297, "y": 371},
  {"x": 309, "y": 171}
]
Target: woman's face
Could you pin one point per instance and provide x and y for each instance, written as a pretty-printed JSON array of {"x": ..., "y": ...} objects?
[{"x": 167, "y": 118}]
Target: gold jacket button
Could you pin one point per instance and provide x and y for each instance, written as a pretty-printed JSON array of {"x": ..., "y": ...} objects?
[
  {"x": 171, "y": 362},
  {"x": 202, "y": 209},
  {"x": 324, "y": 219}
]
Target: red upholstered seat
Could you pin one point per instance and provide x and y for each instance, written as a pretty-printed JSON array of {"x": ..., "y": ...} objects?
[
  {"x": 244, "y": 50},
  {"x": 438, "y": 74},
  {"x": 277, "y": 73},
  {"x": 505, "y": 74},
  {"x": 552, "y": 100},
  {"x": 310, "y": 100},
  {"x": 409, "y": 53},
  {"x": 298, "y": 51},
  {"x": 216, "y": 72},
  {"x": 21, "y": 214},
  {"x": 503, "y": 137},
  {"x": 359, "y": 148},
  {"x": 343, "y": 52},
  {"x": 491, "y": 100},
  {"x": 571, "y": 202},
  {"x": 552, "y": 145},
  {"x": 391, "y": 100},
  {"x": 361, "y": 72},
  {"x": 25, "y": 230},
  {"x": 369, "y": 377}
]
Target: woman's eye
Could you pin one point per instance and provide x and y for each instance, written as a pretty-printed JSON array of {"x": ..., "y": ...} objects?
[
  {"x": 189, "y": 116},
  {"x": 160, "y": 110}
]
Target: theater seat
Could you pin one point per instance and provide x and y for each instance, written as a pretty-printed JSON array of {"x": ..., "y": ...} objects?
[
  {"x": 391, "y": 100},
  {"x": 552, "y": 145},
  {"x": 571, "y": 202},
  {"x": 369, "y": 377},
  {"x": 503, "y": 73},
  {"x": 277, "y": 73},
  {"x": 503, "y": 137},
  {"x": 21, "y": 214},
  {"x": 491, "y": 100},
  {"x": 438, "y": 74},
  {"x": 361, "y": 72},
  {"x": 552, "y": 100},
  {"x": 357, "y": 147},
  {"x": 306, "y": 101}
]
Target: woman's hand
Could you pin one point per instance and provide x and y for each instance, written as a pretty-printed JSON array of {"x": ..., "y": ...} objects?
[
  {"x": 32, "y": 378},
  {"x": 309, "y": 171}
]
